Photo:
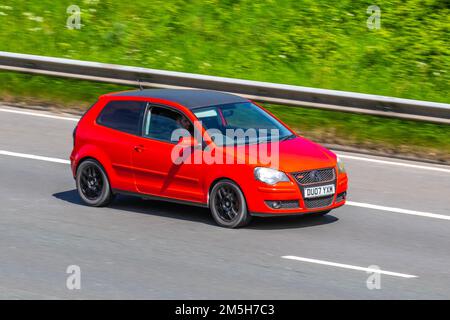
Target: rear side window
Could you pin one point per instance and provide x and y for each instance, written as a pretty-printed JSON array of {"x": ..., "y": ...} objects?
[{"x": 124, "y": 116}]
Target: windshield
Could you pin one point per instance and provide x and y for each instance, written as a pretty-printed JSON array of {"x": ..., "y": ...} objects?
[{"x": 240, "y": 123}]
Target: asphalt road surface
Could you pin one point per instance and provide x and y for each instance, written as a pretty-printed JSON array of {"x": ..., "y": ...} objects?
[{"x": 397, "y": 220}]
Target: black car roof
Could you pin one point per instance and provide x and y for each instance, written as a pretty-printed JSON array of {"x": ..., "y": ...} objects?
[{"x": 189, "y": 98}]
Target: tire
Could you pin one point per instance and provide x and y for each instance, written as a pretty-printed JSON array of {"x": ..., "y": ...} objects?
[
  {"x": 93, "y": 184},
  {"x": 228, "y": 206}
]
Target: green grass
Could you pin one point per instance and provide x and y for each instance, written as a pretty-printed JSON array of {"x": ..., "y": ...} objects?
[{"x": 323, "y": 44}]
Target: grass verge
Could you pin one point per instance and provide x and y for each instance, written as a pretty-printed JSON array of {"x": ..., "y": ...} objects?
[{"x": 322, "y": 44}]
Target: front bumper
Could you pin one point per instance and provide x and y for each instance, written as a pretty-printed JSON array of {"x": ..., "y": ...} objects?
[{"x": 288, "y": 196}]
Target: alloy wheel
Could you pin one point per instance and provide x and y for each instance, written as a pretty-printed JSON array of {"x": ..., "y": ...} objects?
[{"x": 91, "y": 182}]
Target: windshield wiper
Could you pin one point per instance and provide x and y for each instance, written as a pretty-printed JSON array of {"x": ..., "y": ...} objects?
[{"x": 291, "y": 136}]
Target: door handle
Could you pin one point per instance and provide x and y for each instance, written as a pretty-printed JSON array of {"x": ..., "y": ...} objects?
[{"x": 139, "y": 148}]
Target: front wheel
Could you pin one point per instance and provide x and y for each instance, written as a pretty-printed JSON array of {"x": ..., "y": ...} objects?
[
  {"x": 228, "y": 205},
  {"x": 92, "y": 184}
]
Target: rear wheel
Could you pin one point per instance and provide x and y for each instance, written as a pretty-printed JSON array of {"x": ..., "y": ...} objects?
[
  {"x": 92, "y": 184},
  {"x": 228, "y": 205}
]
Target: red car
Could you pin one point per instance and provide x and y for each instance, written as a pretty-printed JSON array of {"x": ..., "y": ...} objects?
[{"x": 202, "y": 148}]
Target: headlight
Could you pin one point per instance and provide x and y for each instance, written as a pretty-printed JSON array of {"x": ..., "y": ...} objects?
[
  {"x": 270, "y": 176},
  {"x": 340, "y": 165}
]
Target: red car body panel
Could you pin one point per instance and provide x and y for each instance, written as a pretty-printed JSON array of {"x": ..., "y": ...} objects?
[{"x": 126, "y": 158}]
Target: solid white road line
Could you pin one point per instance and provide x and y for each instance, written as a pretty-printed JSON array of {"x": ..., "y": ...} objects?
[
  {"x": 398, "y": 210},
  {"x": 30, "y": 156},
  {"x": 37, "y": 114},
  {"x": 348, "y": 266},
  {"x": 402, "y": 164},
  {"x": 350, "y": 203}
]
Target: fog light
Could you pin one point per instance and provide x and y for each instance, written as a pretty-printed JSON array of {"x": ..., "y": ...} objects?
[
  {"x": 282, "y": 204},
  {"x": 276, "y": 204},
  {"x": 341, "y": 197}
]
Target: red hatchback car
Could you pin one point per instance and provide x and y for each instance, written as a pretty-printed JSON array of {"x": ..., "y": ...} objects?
[{"x": 203, "y": 148}]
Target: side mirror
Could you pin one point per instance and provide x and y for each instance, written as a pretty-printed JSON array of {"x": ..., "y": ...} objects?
[{"x": 187, "y": 142}]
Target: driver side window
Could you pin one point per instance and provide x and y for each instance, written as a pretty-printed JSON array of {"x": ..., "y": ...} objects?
[{"x": 160, "y": 123}]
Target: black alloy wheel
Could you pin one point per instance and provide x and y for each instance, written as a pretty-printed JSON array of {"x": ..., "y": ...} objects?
[
  {"x": 92, "y": 184},
  {"x": 228, "y": 205}
]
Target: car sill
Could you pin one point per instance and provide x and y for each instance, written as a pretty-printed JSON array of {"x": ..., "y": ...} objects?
[{"x": 158, "y": 198}]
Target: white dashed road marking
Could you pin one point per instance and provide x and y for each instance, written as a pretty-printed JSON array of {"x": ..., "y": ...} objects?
[{"x": 348, "y": 266}]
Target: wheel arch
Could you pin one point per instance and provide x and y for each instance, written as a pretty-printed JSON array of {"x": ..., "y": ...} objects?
[
  {"x": 89, "y": 158},
  {"x": 93, "y": 153},
  {"x": 218, "y": 179}
]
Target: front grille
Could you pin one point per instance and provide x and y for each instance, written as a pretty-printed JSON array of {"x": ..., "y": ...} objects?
[
  {"x": 314, "y": 176},
  {"x": 319, "y": 202},
  {"x": 283, "y": 204}
]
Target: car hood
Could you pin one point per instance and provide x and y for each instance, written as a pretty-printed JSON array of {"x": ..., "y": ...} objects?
[
  {"x": 296, "y": 154},
  {"x": 302, "y": 154}
]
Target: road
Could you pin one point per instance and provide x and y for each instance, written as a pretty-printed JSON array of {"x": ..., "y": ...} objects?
[{"x": 141, "y": 249}]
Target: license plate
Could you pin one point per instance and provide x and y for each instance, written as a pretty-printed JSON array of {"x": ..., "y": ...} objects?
[{"x": 314, "y": 192}]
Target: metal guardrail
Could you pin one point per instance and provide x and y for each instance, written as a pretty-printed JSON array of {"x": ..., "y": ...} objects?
[{"x": 259, "y": 91}]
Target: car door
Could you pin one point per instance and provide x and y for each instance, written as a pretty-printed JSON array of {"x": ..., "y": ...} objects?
[
  {"x": 118, "y": 125},
  {"x": 155, "y": 172}
]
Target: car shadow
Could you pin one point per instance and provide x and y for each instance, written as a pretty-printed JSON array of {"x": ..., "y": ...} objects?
[
  {"x": 197, "y": 214},
  {"x": 145, "y": 206},
  {"x": 70, "y": 196},
  {"x": 290, "y": 222}
]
